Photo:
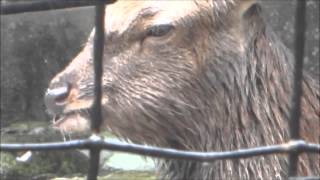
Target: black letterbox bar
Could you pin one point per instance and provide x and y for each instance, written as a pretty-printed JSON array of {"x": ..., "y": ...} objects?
[{"x": 43, "y": 5}]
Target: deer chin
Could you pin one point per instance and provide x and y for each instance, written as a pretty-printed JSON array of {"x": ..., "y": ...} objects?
[
  {"x": 75, "y": 116},
  {"x": 72, "y": 122}
]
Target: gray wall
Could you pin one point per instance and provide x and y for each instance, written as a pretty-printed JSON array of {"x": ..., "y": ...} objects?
[
  {"x": 34, "y": 47},
  {"x": 281, "y": 14}
]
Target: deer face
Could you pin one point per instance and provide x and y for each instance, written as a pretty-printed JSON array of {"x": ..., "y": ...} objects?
[{"x": 155, "y": 56}]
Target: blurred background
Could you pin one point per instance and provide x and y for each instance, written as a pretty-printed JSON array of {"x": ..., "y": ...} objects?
[{"x": 35, "y": 46}]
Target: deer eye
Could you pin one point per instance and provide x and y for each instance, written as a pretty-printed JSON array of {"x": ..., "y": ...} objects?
[{"x": 159, "y": 30}]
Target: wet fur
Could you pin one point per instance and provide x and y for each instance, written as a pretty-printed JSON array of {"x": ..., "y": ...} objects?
[{"x": 227, "y": 92}]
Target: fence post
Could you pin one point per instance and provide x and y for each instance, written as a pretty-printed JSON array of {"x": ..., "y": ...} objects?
[
  {"x": 295, "y": 109},
  {"x": 95, "y": 111}
]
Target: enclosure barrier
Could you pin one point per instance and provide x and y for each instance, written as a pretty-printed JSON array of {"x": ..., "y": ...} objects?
[{"x": 95, "y": 144}]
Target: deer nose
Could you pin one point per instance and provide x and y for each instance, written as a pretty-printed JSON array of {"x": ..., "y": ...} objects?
[{"x": 56, "y": 98}]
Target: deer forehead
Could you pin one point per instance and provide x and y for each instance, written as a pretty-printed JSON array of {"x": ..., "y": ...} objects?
[{"x": 122, "y": 14}]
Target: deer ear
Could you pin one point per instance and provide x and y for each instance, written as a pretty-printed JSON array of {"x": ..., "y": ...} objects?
[{"x": 245, "y": 6}]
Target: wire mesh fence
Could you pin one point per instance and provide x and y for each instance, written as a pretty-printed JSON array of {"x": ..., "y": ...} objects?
[{"x": 95, "y": 144}]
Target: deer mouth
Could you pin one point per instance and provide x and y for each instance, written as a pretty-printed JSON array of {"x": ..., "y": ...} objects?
[
  {"x": 70, "y": 111},
  {"x": 70, "y": 122}
]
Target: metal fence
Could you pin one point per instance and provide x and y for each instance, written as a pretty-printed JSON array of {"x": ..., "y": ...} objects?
[{"x": 95, "y": 144}]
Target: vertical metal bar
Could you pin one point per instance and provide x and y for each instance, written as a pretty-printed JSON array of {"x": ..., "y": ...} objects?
[
  {"x": 95, "y": 111},
  {"x": 94, "y": 164},
  {"x": 300, "y": 26}
]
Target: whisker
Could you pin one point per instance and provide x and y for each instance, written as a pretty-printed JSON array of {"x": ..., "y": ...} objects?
[
  {"x": 69, "y": 137},
  {"x": 63, "y": 135}
]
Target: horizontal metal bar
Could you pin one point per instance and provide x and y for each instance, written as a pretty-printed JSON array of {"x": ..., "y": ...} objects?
[
  {"x": 292, "y": 146},
  {"x": 305, "y": 178},
  {"x": 43, "y": 5}
]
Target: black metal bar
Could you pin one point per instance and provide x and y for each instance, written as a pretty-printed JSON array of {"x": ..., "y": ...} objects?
[
  {"x": 295, "y": 113},
  {"x": 95, "y": 111},
  {"x": 292, "y": 146},
  {"x": 43, "y": 5},
  {"x": 94, "y": 164}
]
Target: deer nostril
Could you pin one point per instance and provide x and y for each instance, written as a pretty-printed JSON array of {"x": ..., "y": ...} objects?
[
  {"x": 55, "y": 98},
  {"x": 59, "y": 94}
]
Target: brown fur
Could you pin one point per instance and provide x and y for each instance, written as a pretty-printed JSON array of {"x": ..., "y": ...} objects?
[{"x": 219, "y": 81}]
